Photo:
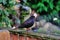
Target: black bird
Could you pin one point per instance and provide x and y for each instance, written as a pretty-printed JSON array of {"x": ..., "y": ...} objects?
[{"x": 28, "y": 23}]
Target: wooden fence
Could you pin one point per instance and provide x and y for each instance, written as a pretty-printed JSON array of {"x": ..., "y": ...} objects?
[{"x": 23, "y": 35}]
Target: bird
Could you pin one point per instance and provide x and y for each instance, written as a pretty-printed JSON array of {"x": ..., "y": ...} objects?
[{"x": 30, "y": 21}]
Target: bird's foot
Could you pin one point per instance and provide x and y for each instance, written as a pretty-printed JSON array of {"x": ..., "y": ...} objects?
[{"x": 28, "y": 29}]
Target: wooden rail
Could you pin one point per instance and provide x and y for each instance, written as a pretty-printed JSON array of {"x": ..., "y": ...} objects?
[
  {"x": 35, "y": 35},
  {"x": 22, "y": 34}
]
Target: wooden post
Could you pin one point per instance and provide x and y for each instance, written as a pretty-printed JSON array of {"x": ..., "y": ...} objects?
[
  {"x": 4, "y": 35},
  {"x": 21, "y": 37},
  {"x": 14, "y": 36},
  {"x": 28, "y": 38}
]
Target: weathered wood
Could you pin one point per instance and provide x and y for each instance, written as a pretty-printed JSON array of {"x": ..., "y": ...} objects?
[
  {"x": 33, "y": 34},
  {"x": 4, "y": 35}
]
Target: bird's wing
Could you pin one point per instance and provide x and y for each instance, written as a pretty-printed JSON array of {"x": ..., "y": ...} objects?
[{"x": 28, "y": 21}]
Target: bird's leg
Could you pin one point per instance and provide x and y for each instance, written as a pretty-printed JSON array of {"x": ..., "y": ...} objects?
[{"x": 27, "y": 29}]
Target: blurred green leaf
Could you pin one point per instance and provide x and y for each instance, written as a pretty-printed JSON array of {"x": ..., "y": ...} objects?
[
  {"x": 58, "y": 8},
  {"x": 4, "y": 2},
  {"x": 45, "y": 8},
  {"x": 34, "y": 6},
  {"x": 51, "y": 5},
  {"x": 1, "y": 1},
  {"x": 40, "y": 4}
]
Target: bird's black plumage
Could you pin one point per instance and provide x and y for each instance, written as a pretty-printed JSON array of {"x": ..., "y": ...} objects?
[{"x": 28, "y": 23}]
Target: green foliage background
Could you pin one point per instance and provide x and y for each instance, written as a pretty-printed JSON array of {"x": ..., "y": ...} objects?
[
  {"x": 48, "y": 7},
  {"x": 6, "y": 8}
]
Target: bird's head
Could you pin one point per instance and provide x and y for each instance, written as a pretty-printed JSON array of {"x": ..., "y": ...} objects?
[{"x": 34, "y": 13}]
